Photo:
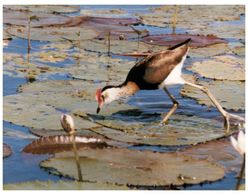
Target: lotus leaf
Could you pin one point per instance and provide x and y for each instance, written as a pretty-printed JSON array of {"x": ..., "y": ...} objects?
[
  {"x": 231, "y": 94},
  {"x": 219, "y": 151},
  {"x": 63, "y": 185},
  {"x": 221, "y": 67},
  {"x": 52, "y": 33},
  {"x": 20, "y": 18},
  {"x": 45, "y": 8},
  {"x": 132, "y": 167},
  {"x": 104, "y": 12}
]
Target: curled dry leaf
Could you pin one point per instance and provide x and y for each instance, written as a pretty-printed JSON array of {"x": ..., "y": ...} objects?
[
  {"x": 59, "y": 143},
  {"x": 132, "y": 167}
]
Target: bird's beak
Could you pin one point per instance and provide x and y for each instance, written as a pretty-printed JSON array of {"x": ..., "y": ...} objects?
[
  {"x": 99, "y": 99},
  {"x": 98, "y": 110}
]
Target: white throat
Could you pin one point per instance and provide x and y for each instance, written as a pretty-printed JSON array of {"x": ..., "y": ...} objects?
[{"x": 112, "y": 94}]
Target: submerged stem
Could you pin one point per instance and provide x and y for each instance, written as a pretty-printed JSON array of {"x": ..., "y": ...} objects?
[
  {"x": 76, "y": 158},
  {"x": 242, "y": 170}
]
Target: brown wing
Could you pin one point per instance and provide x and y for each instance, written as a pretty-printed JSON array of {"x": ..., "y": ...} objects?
[{"x": 159, "y": 66}]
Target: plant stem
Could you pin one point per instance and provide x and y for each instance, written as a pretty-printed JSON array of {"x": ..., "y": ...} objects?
[
  {"x": 76, "y": 158},
  {"x": 29, "y": 44},
  {"x": 242, "y": 170},
  {"x": 109, "y": 43},
  {"x": 175, "y": 18}
]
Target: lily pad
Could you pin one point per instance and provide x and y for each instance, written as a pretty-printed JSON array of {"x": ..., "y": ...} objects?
[
  {"x": 231, "y": 94},
  {"x": 105, "y": 12},
  {"x": 116, "y": 46},
  {"x": 181, "y": 130},
  {"x": 173, "y": 39},
  {"x": 139, "y": 168},
  {"x": 63, "y": 185},
  {"x": 52, "y": 33},
  {"x": 47, "y": 100},
  {"x": 16, "y": 65},
  {"x": 221, "y": 67},
  {"x": 45, "y": 8},
  {"x": 218, "y": 151},
  {"x": 20, "y": 18},
  {"x": 59, "y": 143},
  {"x": 7, "y": 151}
]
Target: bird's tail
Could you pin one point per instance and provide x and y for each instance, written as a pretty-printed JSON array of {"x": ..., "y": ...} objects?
[{"x": 180, "y": 44}]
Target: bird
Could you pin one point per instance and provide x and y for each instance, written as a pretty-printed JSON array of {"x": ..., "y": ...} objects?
[{"x": 156, "y": 71}]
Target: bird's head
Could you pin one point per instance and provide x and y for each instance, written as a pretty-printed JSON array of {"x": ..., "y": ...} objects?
[{"x": 106, "y": 95}]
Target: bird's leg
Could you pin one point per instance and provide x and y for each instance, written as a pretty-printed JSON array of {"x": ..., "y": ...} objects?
[
  {"x": 173, "y": 109},
  {"x": 224, "y": 113}
]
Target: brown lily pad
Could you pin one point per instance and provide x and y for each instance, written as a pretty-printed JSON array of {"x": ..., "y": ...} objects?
[
  {"x": 173, "y": 39},
  {"x": 7, "y": 151},
  {"x": 54, "y": 144},
  {"x": 139, "y": 168}
]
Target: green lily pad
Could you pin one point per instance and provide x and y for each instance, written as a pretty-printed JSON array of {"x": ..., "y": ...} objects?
[
  {"x": 16, "y": 65},
  {"x": 209, "y": 51},
  {"x": 52, "y": 33},
  {"x": 231, "y": 94},
  {"x": 104, "y": 12},
  {"x": 45, "y": 8},
  {"x": 218, "y": 151},
  {"x": 139, "y": 168},
  {"x": 20, "y": 18},
  {"x": 63, "y": 185},
  {"x": 116, "y": 46},
  {"x": 221, "y": 68},
  {"x": 7, "y": 151},
  {"x": 181, "y": 130},
  {"x": 47, "y": 100}
]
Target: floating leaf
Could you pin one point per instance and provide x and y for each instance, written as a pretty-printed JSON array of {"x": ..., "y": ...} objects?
[
  {"x": 231, "y": 94},
  {"x": 63, "y": 185},
  {"x": 7, "y": 151},
  {"x": 139, "y": 168},
  {"x": 44, "y": 8},
  {"x": 219, "y": 151},
  {"x": 52, "y": 33},
  {"x": 59, "y": 143},
  {"x": 221, "y": 67},
  {"x": 104, "y": 12},
  {"x": 173, "y": 39},
  {"x": 20, "y": 18}
]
